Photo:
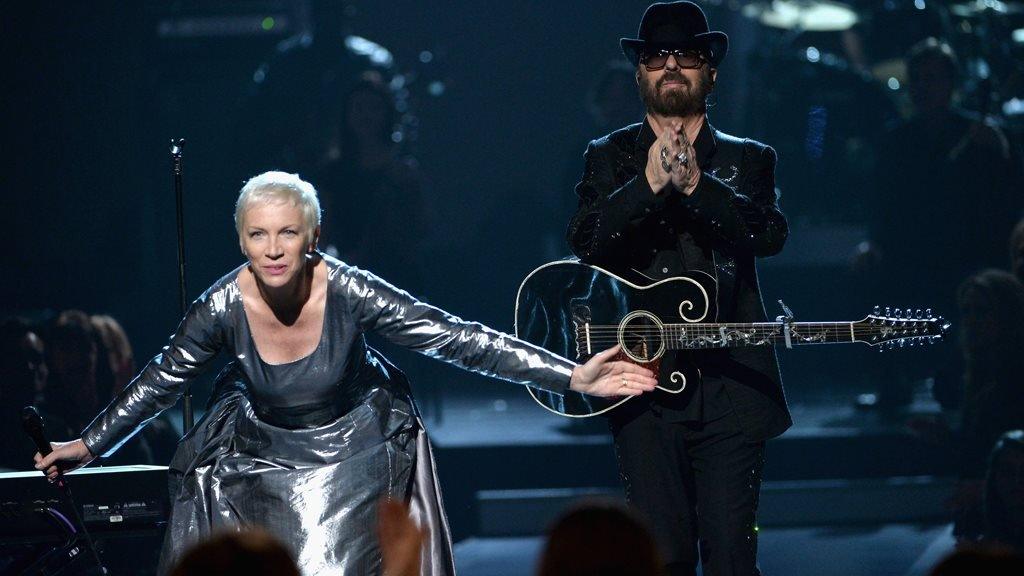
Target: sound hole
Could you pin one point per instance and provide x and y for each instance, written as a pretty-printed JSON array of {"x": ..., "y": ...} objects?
[{"x": 640, "y": 335}]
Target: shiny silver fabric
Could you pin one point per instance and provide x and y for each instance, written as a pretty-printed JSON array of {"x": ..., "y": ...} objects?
[{"x": 307, "y": 449}]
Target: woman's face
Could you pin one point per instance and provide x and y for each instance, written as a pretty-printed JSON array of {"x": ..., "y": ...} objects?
[{"x": 274, "y": 240}]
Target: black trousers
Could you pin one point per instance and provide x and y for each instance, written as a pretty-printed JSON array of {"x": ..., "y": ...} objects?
[{"x": 697, "y": 484}]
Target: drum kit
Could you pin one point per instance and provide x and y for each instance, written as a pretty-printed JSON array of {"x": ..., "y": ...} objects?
[
  {"x": 828, "y": 76},
  {"x": 987, "y": 30}
]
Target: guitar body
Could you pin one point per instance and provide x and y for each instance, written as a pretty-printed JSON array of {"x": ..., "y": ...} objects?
[{"x": 576, "y": 310}]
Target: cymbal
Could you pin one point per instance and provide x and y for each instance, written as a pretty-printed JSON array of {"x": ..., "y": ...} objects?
[
  {"x": 809, "y": 15},
  {"x": 976, "y": 8}
]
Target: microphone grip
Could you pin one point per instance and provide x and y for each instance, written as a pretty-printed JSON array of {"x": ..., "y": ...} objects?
[{"x": 33, "y": 426}]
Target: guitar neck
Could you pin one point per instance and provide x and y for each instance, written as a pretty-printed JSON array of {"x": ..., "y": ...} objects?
[{"x": 731, "y": 335}]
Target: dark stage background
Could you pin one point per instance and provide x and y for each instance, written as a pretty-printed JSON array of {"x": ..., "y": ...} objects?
[
  {"x": 494, "y": 106},
  {"x": 94, "y": 91}
]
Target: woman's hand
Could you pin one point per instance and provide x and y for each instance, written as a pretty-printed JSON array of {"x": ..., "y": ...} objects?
[
  {"x": 66, "y": 456},
  {"x": 601, "y": 376}
]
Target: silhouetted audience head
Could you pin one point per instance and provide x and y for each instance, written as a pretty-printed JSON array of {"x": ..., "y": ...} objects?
[
  {"x": 933, "y": 72},
  {"x": 1017, "y": 251},
  {"x": 1004, "y": 492},
  {"x": 246, "y": 553},
  {"x": 600, "y": 539},
  {"x": 980, "y": 561}
]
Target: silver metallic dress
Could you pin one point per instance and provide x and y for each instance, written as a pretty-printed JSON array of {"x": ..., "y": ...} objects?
[{"x": 307, "y": 449}]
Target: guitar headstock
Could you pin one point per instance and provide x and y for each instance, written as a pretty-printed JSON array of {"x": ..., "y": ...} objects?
[{"x": 900, "y": 328}]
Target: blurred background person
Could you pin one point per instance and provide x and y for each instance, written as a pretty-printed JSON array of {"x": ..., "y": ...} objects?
[
  {"x": 946, "y": 191},
  {"x": 610, "y": 103},
  {"x": 23, "y": 374},
  {"x": 72, "y": 354},
  {"x": 376, "y": 197},
  {"x": 91, "y": 362},
  {"x": 1004, "y": 493},
  {"x": 991, "y": 307},
  {"x": 115, "y": 369}
]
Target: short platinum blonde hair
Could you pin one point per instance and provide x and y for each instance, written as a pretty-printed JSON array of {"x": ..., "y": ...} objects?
[{"x": 274, "y": 186}]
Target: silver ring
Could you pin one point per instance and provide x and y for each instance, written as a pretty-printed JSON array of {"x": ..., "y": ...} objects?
[
  {"x": 664, "y": 160},
  {"x": 623, "y": 380},
  {"x": 683, "y": 159}
]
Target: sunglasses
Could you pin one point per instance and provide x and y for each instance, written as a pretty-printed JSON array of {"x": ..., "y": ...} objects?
[{"x": 656, "y": 59}]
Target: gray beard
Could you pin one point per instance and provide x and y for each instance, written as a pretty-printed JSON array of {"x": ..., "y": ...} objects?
[{"x": 689, "y": 102}]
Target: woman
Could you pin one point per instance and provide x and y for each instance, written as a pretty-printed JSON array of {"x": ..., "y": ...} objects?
[{"x": 308, "y": 427}]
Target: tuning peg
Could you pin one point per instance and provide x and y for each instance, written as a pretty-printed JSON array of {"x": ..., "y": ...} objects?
[
  {"x": 928, "y": 312},
  {"x": 899, "y": 313},
  {"x": 877, "y": 310},
  {"x": 917, "y": 314},
  {"x": 888, "y": 311}
]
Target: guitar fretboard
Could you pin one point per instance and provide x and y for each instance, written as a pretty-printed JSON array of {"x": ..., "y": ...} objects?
[{"x": 728, "y": 335}]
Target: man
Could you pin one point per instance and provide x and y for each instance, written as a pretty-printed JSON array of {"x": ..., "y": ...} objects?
[
  {"x": 946, "y": 195},
  {"x": 671, "y": 196}
]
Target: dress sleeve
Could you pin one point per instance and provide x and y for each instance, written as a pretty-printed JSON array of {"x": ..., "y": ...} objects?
[
  {"x": 377, "y": 306},
  {"x": 196, "y": 342}
]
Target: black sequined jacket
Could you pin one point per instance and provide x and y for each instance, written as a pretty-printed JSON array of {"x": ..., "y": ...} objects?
[{"x": 731, "y": 218}]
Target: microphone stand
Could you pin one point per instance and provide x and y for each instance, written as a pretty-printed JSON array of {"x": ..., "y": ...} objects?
[{"x": 187, "y": 416}]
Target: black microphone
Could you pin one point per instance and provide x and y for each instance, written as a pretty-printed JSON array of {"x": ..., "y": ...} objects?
[{"x": 33, "y": 426}]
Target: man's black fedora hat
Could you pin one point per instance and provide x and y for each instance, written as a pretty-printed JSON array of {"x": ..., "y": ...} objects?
[{"x": 674, "y": 25}]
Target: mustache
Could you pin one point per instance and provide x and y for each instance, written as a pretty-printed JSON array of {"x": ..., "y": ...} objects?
[{"x": 673, "y": 78}]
